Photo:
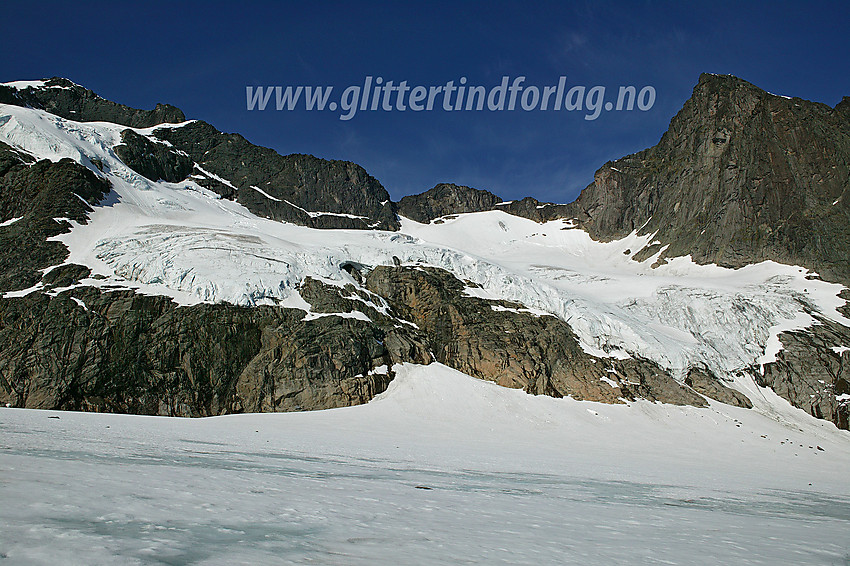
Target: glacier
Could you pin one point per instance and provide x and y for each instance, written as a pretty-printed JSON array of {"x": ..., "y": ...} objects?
[{"x": 183, "y": 241}]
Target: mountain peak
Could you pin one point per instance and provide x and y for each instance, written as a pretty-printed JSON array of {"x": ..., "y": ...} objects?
[
  {"x": 843, "y": 107},
  {"x": 741, "y": 176},
  {"x": 715, "y": 80},
  {"x": 67, "y": 99},
  {"x": 444, "y": 199}
]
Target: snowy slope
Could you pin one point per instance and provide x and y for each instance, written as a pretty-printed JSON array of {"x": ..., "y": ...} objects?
[
  {"x": 183, "y": 241},
  {"x": 510, "y": 478}
]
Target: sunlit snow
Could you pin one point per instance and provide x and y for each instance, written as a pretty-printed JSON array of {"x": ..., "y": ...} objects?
[{"x": 440, "y": 469}]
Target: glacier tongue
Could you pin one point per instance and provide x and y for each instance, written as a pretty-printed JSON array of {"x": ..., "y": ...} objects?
[{"x": 181, "y": 240}]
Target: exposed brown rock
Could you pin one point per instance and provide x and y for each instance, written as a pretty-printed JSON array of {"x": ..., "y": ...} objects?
[
  {"x": 539, "y": 354},
  {"x": 810, "y": 374},
  {"x": 705, "y": 383}
]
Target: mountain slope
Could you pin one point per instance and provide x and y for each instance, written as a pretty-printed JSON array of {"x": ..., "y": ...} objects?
[
  {"x": 741, "y": 176},
  {"x": 301, "y": 189},
  {"x": 216, "y": 276},
  {"x": 295, "y": 188}
]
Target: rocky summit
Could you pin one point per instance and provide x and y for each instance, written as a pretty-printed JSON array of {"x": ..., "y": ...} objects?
[
  {"x": 155, "y": 265},
  {"x": 741, "y": 176}
]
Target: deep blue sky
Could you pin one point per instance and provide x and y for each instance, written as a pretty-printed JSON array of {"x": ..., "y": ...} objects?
[{"x": 200, "y": 56}]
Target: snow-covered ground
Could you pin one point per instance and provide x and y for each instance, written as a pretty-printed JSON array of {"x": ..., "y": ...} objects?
[
  {"x": 441, "y": 469},
  {"x": 183, "y": 241}
]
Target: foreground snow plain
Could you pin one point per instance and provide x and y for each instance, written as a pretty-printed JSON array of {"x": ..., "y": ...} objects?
[{"x": 510, "y": 478}]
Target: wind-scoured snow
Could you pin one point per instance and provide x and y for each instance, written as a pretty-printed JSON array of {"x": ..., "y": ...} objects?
[
  {"x": 181, "y": 240},
  {"x": 224, "y": 181},
  {"x": 440, "y": 469},
  {"x": 265, "y": 194},
  {"x": 313, "y": 214},
  {"x": 23, "y": 85}
]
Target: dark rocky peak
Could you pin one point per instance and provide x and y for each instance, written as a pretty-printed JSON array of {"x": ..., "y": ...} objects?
[
  {"x": 843, "y": 108},
  {"x": 741, "y": 176},
  {"x": 533, "y": 209},
  {"x": 297, "y": 188},
  {"x": 445, "y": 199},
  {"x": 722, "y": 105},
  {"x": 69, "y": 100}
]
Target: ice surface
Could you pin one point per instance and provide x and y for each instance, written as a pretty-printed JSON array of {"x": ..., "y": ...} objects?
[{"x": 441, "y": 469}]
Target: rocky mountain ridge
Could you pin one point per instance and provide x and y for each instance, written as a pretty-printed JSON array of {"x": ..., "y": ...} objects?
[
  {"x": 741, "y": 176},
  {"x": 71, "y": 344},
  {"x": 301, "y": 189},
  {"x": 67, "y": 99}
]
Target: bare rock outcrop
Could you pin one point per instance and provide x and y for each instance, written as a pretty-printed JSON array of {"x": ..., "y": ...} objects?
[{"x": 504, "y": 343}]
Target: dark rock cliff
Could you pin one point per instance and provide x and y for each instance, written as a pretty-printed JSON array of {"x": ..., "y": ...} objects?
[
  {"x": 69, "y": 100},
  {"x": 44, "y": 196},
  {"x": 295, "y": 188},
  {"x": 741, "y": 176},
  {"x": 445, "y": 199},
  {"x": 117, "y": 351}
]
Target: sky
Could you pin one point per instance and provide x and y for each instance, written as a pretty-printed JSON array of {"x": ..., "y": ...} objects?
[{"x": 201, "y": 56}]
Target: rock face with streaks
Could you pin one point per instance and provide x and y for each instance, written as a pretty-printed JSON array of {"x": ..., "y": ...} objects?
[
  {"x": 741, "y": 176},
  {"x": 156, "y": 161},
  {"x": 85, "y": 349},
  {"x": 301, "y": 189}
]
